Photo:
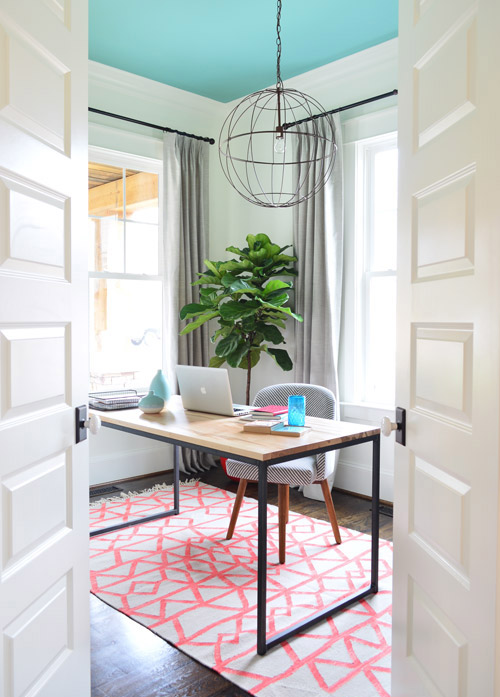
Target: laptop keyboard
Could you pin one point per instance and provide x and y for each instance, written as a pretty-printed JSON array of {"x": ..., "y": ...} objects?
[{"x": 241, "y": 409}]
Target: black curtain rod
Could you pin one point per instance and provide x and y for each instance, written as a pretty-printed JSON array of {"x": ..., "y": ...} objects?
[
  {"x": 151, "y": 125},
  {"x": 212, "y": 141},
  {"x": 342, "y": 108}
]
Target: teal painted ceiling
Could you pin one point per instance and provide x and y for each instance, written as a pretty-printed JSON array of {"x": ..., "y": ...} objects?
[{"x": 225, "y": 49}]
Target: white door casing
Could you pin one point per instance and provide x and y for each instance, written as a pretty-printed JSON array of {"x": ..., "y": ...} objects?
[
  {"x": 44, "y": 643},
  {"x": 446, "y": 478}
]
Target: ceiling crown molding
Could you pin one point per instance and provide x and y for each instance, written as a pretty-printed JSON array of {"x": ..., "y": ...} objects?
[
  {"x": 349, "y": 79},
  {"x": 106, "y": 82},
  {"x": 362, "y": 65}
]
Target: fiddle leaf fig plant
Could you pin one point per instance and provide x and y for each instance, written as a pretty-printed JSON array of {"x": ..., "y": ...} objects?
[{"x": 248, "y": 298}]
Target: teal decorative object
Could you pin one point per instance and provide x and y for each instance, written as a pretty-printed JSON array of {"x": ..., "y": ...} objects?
[
  {"x": 296, "y": 410},
  {"x": 160, "y": 386},
  {"x": 151, "y": 403}
]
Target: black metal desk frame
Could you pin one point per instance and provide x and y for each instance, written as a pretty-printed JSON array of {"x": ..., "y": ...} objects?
[{"x": 263, "y": 644}]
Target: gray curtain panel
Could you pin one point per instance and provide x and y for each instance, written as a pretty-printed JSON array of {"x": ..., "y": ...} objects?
[
  {"x": 185, "y": 235},
  {"x": 318, "y": 237}
]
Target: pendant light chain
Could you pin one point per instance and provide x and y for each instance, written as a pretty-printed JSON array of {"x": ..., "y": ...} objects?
[
  {"x": 266, "y": 164},
  {"x": 279, "y": 81}
]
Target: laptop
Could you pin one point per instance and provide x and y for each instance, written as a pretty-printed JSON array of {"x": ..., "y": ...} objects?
[{"x": 207, "y": 390}]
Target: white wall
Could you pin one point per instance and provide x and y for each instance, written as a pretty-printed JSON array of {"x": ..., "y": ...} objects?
[{"x": 348, "y": 80}]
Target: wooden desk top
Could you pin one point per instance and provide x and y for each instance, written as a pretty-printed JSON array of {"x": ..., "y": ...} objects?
[{"x": 225, "y": 434}]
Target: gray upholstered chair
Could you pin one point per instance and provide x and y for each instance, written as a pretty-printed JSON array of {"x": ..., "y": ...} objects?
[{"x": 307, "y": 470}]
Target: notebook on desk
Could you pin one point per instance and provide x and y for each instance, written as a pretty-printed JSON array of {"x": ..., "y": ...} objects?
[{"x": 207, "y": 390}]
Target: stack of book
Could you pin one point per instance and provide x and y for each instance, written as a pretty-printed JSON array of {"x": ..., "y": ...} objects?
[
  {"x": 116, "y": 399},
  {"x": 274, "y": 427},
  {"x": 272, "y": 411}
]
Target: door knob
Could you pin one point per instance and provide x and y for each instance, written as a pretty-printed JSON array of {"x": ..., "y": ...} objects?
[
  {"x": 84, "y": 422},
  {"x": 93, "y": 423},
  {"x": 387, "y": 426}
]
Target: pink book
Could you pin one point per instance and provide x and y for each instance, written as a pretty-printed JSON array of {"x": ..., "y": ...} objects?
[{"x": 274, "y": 409}]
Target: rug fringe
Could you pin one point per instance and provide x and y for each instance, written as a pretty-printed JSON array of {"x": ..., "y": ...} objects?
[{"x": 128, "y": 495}]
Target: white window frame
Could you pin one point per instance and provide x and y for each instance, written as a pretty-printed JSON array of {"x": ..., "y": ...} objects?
[
  {"x": 365, "y": 153},
  {"x": 125, "y": 160},
  {"x": 380, "y": 122}
]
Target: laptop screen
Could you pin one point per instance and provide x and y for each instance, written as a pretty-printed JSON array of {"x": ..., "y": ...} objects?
[{"x": 207, "y": 390}]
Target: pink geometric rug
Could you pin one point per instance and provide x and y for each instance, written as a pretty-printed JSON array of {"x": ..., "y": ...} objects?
[{"x": 182, "y": 579}]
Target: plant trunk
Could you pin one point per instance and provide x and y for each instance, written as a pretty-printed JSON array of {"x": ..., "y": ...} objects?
[{"x": 249, "y": 376}]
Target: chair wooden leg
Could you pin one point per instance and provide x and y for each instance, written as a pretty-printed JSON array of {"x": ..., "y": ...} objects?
[
  {"x": 283, "y": 503},
  {"x": 236, "y": 507},
  {"x": 331, "y": 510}
]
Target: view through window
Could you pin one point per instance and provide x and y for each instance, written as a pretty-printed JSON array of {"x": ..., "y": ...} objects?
[
  {"x": 376, "y": 248},
  {"x": 125, "y": 277}
]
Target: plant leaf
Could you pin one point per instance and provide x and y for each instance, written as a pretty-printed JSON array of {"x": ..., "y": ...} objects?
[
  {"x": 271, "y": 333},
  {"x": 277, "y": 297},
  {"x": 233, "y": 309},
  {"x": 272, "y": 249},
  {"x": 235, "y": 250},
  {"x": 286, "y": 310},
  {"x": 282, "y": 257},
  {"x": 241, "y": 286},
  {"x": 227, "y": 279},
  {"x": 248, "y": 323},
  {"x": 235, "y": 358},
  {"x": 282, "y": 358},
  {"x": 275, "y": 285},
  {"x": 201, "y": 319},
  {"x": 275, "y": 321},
  {"x": 284, "y": 271},
  {"x": 191, "y": 310},
  {"x": 216, "y": 362},
  {"x": 208, "y": 296},
  {"x": 232, "y": 265},
  {"x": 224, "y": 331},
  {"x": 227, "y": 345},
  {"x": 263, "y": 239},
  {"x": 208, "y": 280},
  {"x": 254, "y": 359},
  {"x": 212, "y": 267}
]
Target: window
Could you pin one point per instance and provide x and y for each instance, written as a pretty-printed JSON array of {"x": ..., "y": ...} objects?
[
  {"x": 376, "y": 175},
  {"x": 125, "y": 274}
]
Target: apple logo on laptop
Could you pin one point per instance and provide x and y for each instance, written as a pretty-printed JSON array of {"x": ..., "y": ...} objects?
[{"x": 203, "y": 390}]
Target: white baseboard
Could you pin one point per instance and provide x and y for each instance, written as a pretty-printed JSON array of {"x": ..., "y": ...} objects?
[
  {"x": 130, "y": 463},
  {"x": 356, "y": 477}
]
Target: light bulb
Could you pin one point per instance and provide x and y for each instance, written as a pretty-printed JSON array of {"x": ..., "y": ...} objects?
[{"x": 279, "y": 144}]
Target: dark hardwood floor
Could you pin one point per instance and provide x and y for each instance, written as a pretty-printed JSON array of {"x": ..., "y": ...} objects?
[{"x": 128, "y": 660}]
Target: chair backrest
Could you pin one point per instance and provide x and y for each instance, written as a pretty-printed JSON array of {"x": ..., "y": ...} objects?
[{"x": 320, "y": 402}]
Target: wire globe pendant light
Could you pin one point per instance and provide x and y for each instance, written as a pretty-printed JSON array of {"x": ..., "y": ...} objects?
[{"x": 273, "y": 149}]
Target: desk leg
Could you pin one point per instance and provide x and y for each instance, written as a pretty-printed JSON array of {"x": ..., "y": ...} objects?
[
  {"x": 264, "y": 645},
  {"x": 262, "y": 561},
  {"x": 157, "y": 516},
  {"x": 375, "y": 511},
  {"x": 176, "y": 478}
]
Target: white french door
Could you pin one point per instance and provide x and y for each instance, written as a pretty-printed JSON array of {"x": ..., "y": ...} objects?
[
  {"x": 446, "y": 478},
  {"x": 43, "y": 349}
]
